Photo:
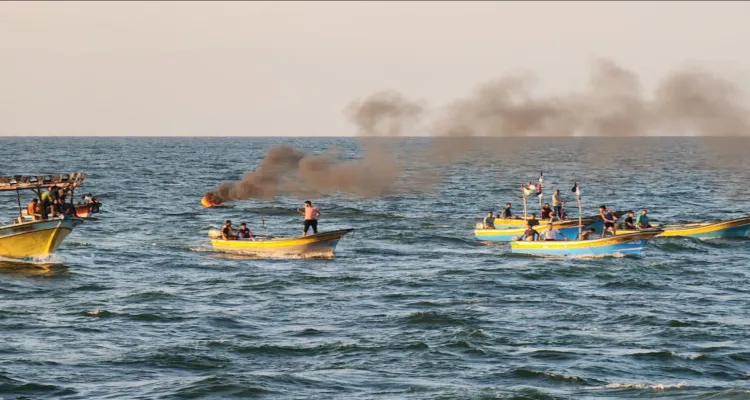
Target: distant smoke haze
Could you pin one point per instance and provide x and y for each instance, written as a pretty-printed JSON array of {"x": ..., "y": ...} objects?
[{"x": 688, "y": 102}]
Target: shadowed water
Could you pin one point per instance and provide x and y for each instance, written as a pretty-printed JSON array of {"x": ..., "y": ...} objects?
[{"x": 135, "y": 304}]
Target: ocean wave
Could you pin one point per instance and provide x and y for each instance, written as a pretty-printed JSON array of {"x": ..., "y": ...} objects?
[
  {"x": 322, "y": 349},
  {"x": 21, "y": 388},
  {"x": 144, "y": 317},
  {"x": 437, "y": 318},
  {"x": 545, "y": 375},
  {"x": 178, "y": 357},
  {"x": 664, "y": 355},
  {"x": 652, "y": 386},
  {"x": 223, "y": 387}
]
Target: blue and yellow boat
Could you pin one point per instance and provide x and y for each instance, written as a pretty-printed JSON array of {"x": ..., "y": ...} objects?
[
  {"x": 629, "y": 244},
  {"x": 733, "y": 228},
  {"x": 568, "y": 228}
]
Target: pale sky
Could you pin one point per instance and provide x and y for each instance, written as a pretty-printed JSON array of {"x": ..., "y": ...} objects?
[{"x": 290, "y": 68}]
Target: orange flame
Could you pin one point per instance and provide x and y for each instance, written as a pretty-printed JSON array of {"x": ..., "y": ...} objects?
[{"x": 208, "y": 203}]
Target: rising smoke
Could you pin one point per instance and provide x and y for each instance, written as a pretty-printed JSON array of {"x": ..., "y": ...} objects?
[{"x": 687, "y": 102}]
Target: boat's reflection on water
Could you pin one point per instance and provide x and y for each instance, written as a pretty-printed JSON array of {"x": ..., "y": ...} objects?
[
  {"x": 38, "y": 268},
  {"x": 251, "y": 256}
]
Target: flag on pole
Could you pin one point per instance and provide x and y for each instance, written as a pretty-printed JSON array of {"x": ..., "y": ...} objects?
[
  {"x": 541, "y": 183},
  {"x": 528, "y": 189}
]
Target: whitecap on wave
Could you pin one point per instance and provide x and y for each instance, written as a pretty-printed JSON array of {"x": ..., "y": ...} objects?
[{"x": 657, "y": 386}]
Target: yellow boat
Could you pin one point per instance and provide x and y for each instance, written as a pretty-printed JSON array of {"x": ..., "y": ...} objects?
[
  {"x": 734, "y": 228},
  {"x": 319, "y": 245},
  {"x": 26, "y": 237},
  {"x": 34, "y": 239}
]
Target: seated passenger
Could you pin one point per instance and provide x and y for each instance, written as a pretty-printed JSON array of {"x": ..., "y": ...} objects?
[
  {"x": 506, "y": 213},
  {"x": 629, "y": 224},
  {"x": 34, "y": 210},
  {"x": 532, "y": 220},
  {"x": 547, "y": 212},
  {"x": 642, "y": 221},
  {"x": 530, "y": 234},
  {"x": 585, "y": 234},
  {"x": 552, "y": 233},
  {"x": 489, "y": 221},
  {"x": 226, "y": 231},
  {"x": 244, "y": 232}
]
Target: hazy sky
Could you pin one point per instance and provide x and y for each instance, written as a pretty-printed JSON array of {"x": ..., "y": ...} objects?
[{"x": 290, "y": 68}]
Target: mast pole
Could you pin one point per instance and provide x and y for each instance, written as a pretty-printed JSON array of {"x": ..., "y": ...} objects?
[
  {"x": 18, "y": 199},
  {"x": 580, "y": 211}
]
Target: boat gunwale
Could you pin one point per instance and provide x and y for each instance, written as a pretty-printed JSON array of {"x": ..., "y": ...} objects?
[
  {"x": 675, "y": 230},
  {"x": 695, "y": 225},
  {"x": 38, "y": 221}
]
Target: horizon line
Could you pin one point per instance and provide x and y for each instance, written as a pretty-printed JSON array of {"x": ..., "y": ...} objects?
[{"x": 355, "y": 137}]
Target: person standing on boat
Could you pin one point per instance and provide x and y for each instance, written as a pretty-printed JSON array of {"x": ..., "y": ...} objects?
[
  {"x": 507, "y": 214},
  {"x": 226, "y": 231},
  {"x": 311, "y": 217},
  {"x": 49, "y": 205},
  {"x": 642, "y": 221},
  {"x": 609, "y": 220},
  {"x": 244, "y": 232},
  {"x": 557, "y": 204},
  {"x": 489, "y": 221}
]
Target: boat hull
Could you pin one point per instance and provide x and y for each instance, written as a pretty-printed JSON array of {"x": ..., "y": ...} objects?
[
  {"x": 735, "y": 228},
  {"x": 321, "y": 245},
  {"x": 629, "y": 244},
  {"x": 35, "y": 239}
]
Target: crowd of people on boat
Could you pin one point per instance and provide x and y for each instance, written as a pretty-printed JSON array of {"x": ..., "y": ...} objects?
[
  {"x": 53, "y": 203},
  {"x": 556, "y": 212},
  {"x": 310, "y": 212}
]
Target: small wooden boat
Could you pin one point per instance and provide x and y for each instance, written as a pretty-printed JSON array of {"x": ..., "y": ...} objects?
[
  {"x": 734, "y": 228},
  {"x": 627, "y": 244},
  {"x": 568, "y": 228},
  {"x": 85, "y": 211},
  {"x": 319, "y": 245},
  {"x": 209, "y": 200}
]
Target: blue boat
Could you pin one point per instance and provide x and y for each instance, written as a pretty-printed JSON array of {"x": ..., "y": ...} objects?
[{"x": 630, "y": 244}]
